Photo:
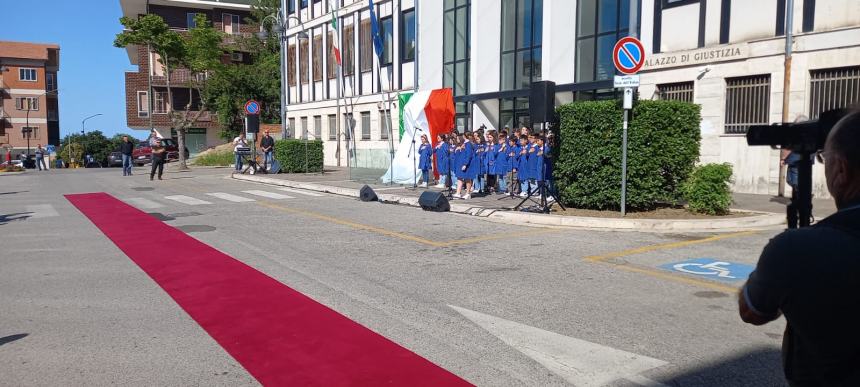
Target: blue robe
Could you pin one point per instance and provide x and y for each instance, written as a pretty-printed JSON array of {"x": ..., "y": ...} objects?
[
  {"x": 532, "y": 164},
  {"x": 425, "y": 157},
  {"x": 442, "y": 157},
  {"x": 523, "y": 164},
  {"x": 501, "y": 162},
  {"x": 470, "y": 161}
]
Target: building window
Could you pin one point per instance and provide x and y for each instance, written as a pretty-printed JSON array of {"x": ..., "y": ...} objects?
[
  {"x": 303, "y": 61},
  {"x": 50, "y": 81},
  {"x": 143, "y": 104},
  {"x": 385, "y": 124},
  {"x": 189, "y": 18},
  {"x": 292, "y": 128},
  {"x": 317, "y": 59},
  {"x": 291, "y": 7},
  {"x": 456, "y": 31},
  {"x": 160, "y": 104},
  {"x": 332, "y": 127},
  {"x": 231, "y": 23},
  {"x": 53, "y": 115},
  {"x": 677, "y": 3},
  {"x": 365, "y": 47},
  {"x": 27, "y": 103},
  {"x": 33, "y": 130},
  {"x": 514, "y": 113},
  {"x": 331, "y": 62},
  {"x": 365, "y": 125},
  {"x": 317, "y": 127},
  {"x": 407, "y": 41},
  {"x": 522, "y": 35},
  {"x": 304, "y": 128},
  {"x": 600, "y": 23},
  {"x": 387, "y": 26},
  {"x": 833, "y": 89},
  {"x": 291, "y": 69},
  {"x": 304, "y": 4},
  {"x": 747, "y": 103},
  {"x": 348, "y": 53},
  {"x": 28, "y": 75},
  {"x": 681, "y": 91}
]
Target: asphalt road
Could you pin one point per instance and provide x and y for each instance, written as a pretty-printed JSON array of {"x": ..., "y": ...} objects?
[{"x": 495, "y": 304}]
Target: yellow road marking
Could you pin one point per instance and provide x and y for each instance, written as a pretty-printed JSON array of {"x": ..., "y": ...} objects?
[
  {"x": 501, "y": 235},
  {"x": 671, "y": 277},
  {"x": 665, "y": 246}
]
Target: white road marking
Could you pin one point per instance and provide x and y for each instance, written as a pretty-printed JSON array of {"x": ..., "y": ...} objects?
[
  {"x": 230, "y": 197},
  {"x": 307, "y": 193},
  {"x": 579, "y": 362},
  {"x": 187, "y": 200},
  {"x": 143, "y": 203},
  {"x": 267, "y": 194},
  {"x": 41, "y": 211}
]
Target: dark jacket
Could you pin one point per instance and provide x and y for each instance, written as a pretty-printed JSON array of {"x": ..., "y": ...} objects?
[
  {"x": 267, "y": 142},
  {"x": 126, "y": 148}
]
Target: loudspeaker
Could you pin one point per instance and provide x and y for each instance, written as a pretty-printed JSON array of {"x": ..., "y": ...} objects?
[
  {"x": 542, "y": 102},
  {"x": 367, "y": 195},
  {"x": 252, "y": 123},
  {"x": 434, "y": 201}
]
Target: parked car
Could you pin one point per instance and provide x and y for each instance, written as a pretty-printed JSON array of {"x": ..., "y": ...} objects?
[
  {"x": 142, "y": 155},
  {"x": 115, "y": 159}
]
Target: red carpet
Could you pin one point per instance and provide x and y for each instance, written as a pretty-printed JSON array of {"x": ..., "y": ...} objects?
[{"x": 279, "y": 335}]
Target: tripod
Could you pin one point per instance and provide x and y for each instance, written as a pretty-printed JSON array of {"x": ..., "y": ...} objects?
[
  {"x": 414, "y": 160},
  {"x": 542, "y": 205}
]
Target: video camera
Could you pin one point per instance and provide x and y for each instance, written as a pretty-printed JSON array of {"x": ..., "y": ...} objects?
[
  {"x": 805, "y": 139},
  {"x": 802, "y": 137}
]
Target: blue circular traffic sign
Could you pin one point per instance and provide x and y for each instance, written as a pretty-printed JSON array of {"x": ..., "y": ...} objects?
[
  {"x": 252, "y": 107},
  {"x": 628, "y": 55}
]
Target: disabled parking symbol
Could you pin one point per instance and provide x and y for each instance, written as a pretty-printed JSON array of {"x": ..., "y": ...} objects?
[{"x": 711, "y": 268}]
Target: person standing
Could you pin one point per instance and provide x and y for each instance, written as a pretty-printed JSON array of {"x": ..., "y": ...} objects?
[
  {"x": 158, "y": 155},
  {"x": 126, "y": 148},
  {"x": 425, "y": 160},
  {"x": 239, "y": 142},
  {"x": 40, "y": 157},
  {"x": 267, "y": 145},
  {"x": 441, "y": 152}
]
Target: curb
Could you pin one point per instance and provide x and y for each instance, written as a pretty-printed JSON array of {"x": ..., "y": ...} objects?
[
  {"x": 759, "y": 221},
  {"x": 11, "y": 173}
]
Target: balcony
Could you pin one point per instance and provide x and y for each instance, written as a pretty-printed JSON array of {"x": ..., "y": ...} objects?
[{"x": 178, "y": 78}]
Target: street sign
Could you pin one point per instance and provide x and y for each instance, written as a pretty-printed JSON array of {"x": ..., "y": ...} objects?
[
  {"x": 711, "y": 268},
  {"x": 628, "y": 55},
  {"x": 621, "y": 81},
  {"x": 252, "y": 108}
]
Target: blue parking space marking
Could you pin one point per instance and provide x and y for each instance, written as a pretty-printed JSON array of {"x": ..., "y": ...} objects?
[{"x": 711, "y": 268}]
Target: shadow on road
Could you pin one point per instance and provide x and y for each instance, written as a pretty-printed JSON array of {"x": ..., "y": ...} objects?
[
  {"x": 11, "y": 338},
  {"x": 6, "y": 218},
  {"x": 13, "y": 192},
  {"x": 761, "y": 367}
]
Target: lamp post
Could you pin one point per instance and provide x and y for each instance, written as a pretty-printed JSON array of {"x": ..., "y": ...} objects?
[
  {"x": 281, "y": 22},
  {"x": 27, "y": 131},
  {"x": 83, "y": 122}
]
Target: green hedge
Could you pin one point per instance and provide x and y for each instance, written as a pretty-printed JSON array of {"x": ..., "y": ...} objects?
[
  {"x": 707, "y": 190},
  {"x": 291, "y": 155},
  {"x": 663, "y": 146}
]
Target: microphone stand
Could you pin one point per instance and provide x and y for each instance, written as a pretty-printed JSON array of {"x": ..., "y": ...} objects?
[{"x": 414, "y": 160}]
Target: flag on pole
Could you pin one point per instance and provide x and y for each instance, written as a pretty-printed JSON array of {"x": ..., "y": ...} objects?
[
  {"x": 334, "y": 46},
  {"x": 374, "y": 31}
]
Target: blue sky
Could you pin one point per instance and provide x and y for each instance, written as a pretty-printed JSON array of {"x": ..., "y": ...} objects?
[{"x": 91, "y": 76}]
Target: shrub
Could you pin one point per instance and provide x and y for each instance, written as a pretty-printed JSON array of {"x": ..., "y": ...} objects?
[
  {"x": 223, "y": 158},
  {"x": 707, "y": 190},
  {"x": 12, "y": 168},
  {"x": 663, "y": 146},
  {"x": 291, "y": 155}
]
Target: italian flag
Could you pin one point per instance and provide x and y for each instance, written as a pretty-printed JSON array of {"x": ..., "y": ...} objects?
[{"x": 334, "y": 46}]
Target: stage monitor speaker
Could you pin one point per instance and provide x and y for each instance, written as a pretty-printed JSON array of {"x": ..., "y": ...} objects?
[
  {"x": 367, "y": 195},
  {"x": 542, "y": 102},
  {"x": 434, "y": 201}
]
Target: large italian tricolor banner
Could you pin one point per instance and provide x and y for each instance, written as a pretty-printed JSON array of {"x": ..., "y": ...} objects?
[{"x": 429, "y": 113}]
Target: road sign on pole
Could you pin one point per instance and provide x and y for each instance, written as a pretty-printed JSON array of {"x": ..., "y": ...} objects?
[
  {"x": 628, "y": 56},
  {"x": 252, "y": 107}
]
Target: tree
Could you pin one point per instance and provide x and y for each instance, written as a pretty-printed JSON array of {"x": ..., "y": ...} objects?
[
  {"x": 94, "y": 143},
  {"x": 199, "y": 52}
]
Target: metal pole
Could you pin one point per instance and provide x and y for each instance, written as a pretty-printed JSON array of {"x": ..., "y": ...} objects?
[
  {"x": 633, "y": 26},
  {"x": 624, "y": 166},
  {"x": 786, "y": 85},
  {"x": 340, "y": 46},
  {"x": 282, "y": 45},
  {"x": 417, "y": 42}
]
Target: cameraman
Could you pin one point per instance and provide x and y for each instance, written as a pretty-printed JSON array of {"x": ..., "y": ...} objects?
[{"x": 812, "y": 276}]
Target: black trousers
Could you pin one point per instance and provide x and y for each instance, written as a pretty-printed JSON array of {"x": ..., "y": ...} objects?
[{"x": 157, "y": 163}]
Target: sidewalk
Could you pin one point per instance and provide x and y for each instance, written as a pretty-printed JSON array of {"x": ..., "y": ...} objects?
[{"x": 768, "y": 214}]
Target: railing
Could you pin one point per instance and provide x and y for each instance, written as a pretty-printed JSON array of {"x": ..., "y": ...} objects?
[
  {"x": 833, "y": 89},
  {"x": 682, "y": 91}
]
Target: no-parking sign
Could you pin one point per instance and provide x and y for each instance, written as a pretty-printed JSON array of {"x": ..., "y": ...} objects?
[
  {"x": 252, "y": 108},
  {"x": 628, "y": 55}
]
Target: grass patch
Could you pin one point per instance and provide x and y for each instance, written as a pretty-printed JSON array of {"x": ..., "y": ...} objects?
[{"x": 215, "y": 159}]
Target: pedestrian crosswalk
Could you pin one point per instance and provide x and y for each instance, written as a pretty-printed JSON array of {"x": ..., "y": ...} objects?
[
  {"x": 187, "y": 200},
  {"x": 267, "y": 194},
  {"x": 230, "y": 197}
]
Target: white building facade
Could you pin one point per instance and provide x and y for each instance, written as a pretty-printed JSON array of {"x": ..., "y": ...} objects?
[{"x": 726, "y": 55}]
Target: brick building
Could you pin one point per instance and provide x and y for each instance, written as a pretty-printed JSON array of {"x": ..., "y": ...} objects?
[
  {"x": 146, "y": 103},
  {"x": 28, "y": 79}
]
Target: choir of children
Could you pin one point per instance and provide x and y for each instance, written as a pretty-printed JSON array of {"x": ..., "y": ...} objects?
[{"x": 488, "y": 162}]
